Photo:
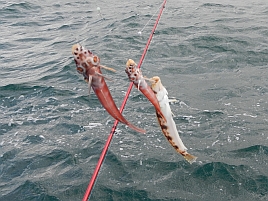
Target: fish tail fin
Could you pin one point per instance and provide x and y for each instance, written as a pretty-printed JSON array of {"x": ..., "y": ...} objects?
[
  {"x": 190, "y": 158},
  {"x": 140, "y": 130}
]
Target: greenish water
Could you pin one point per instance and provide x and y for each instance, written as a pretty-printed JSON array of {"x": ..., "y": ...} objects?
[{"x": 211, "y": 56}]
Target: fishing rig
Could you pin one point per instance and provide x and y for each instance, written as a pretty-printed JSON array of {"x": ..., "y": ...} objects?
[{"x": 108, "y": 141}]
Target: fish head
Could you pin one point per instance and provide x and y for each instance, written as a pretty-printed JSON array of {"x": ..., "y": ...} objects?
[
  {"x": 156, "y": 84},
  {"x": 134, "y": 73},
  {"x": 130, "y": 63},
  {"x": 84, "y": 59},
  {"x": 81, "y": 54}
]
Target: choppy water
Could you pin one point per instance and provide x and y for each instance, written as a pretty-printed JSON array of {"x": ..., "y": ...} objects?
[{"x": 212, "y": 57}]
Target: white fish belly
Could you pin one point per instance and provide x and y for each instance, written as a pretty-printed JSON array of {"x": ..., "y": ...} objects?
[{"x": 171, "y": 126}]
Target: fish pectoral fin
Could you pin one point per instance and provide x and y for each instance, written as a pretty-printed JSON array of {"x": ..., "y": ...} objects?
[
  {"x": 107, "y": 78},
  {"x": 108, "y": 68},
  {"x": 89, "y": 84}
]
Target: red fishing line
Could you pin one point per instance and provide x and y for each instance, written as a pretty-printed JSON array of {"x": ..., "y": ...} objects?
[{"x": 110, "y": 137}]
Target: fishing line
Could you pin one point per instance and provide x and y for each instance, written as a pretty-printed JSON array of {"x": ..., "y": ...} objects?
[
  {"x": 75, "y": 36},
  {"x": 98, "y": 9},
  {"x": 140, "y": 32},
  {"x": 107, "y": 144}
]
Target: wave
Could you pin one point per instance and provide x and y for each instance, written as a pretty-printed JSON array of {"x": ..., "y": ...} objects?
[
  {"x": 15, "y": 8},
  {"x": 232, "y": 180},
  {"x": 52, "y": 132},
  {"x": 29, "y": 191},
  {"x": 251, "y": 151},
  {"x": 217, "y": 5}
]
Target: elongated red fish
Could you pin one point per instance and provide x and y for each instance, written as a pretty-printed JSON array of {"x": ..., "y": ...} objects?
[
  {"x": 135, "y": 75},
  {"x": 168, "y": 127},
  {"x": 89, "y": 66}
]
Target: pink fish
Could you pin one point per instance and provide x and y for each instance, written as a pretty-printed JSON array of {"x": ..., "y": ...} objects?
[
  {"x": 135, "y": 75},
  {"x": 89, "y": 66}
]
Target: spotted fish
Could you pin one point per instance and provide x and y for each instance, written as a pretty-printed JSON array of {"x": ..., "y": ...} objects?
[
  {"x": 135, "y": 75},
  {"x": 168, "y": 127},
  {"x": 89, "y": 66}
]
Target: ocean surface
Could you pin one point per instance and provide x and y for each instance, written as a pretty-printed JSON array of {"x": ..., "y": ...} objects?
[{"x": 211, "y": 55}]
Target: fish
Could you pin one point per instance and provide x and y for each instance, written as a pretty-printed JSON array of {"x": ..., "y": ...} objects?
[
  {"x": 135, "y": 76},
  {"x": 89, "y": 66},
  {"x": 168, "y": 127}
]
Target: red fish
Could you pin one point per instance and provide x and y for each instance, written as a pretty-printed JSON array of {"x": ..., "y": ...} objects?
[
  {"x": 89, "y": 66},
  {"x": 135, "y": 75}
]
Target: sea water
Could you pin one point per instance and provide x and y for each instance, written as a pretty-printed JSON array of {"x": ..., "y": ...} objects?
[{"x": 211, "y": 56}]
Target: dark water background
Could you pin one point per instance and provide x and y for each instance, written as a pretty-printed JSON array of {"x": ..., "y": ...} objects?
[{"x": 212, "y": 57}]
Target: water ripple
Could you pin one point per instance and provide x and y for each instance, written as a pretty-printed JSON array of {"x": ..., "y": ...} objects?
[{"x": 211, "y": 57}]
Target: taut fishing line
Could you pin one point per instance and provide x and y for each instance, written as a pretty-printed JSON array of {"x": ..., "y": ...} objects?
[
  {"x": 98, "y": 9},
  {"x": 140, "y": 32}
]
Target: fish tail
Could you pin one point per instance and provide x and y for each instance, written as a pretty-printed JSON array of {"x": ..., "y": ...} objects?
[
  {"x": 140, "y": 130},
  {"x": 190, "y": 158}
]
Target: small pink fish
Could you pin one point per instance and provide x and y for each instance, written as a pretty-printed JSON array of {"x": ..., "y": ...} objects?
[
  {"x": 135, "y": 75},
  {"x": 89, "y": 66}
]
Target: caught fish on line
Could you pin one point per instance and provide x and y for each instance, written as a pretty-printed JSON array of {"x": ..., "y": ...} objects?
[
  {"x": 168, "y": 125},
  {"x": 89, "y": 66},
  {"x": 135, "y": 76}
]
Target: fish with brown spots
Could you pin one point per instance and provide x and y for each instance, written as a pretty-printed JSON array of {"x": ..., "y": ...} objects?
[
  {"x": 135, "y": 75},
  {"x": 89, "y": 66},
  {"x": 168, "y": 125}
]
